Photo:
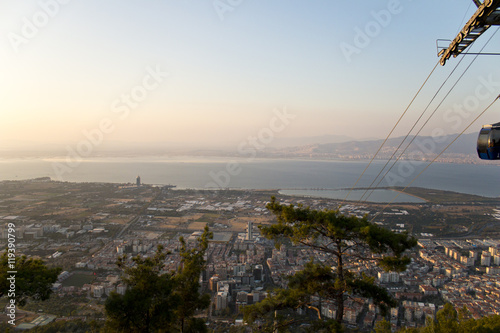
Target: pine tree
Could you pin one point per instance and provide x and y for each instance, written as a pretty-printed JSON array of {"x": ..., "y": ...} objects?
[
  {"x": 187, "y": 285},
  {"x": 345, "y": 238},
  {"x": 147, "y": 305},
  {"x": 157, "y": 301},
  {"x": 33, "y": 279}
]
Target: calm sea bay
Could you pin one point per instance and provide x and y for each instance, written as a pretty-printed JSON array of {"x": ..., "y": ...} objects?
[{"x": 199, "y": 172}]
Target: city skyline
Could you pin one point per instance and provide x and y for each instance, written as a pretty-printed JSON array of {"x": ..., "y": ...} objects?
[{"x": 232, "y": 165}]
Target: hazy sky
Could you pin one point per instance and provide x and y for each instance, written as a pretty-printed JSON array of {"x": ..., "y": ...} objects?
[{"x": 338, "y": 68}]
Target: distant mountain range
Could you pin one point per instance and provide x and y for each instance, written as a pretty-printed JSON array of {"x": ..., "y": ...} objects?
[
  {"x": 309, "y": 140},
  {"x": 463, "y": 150}
]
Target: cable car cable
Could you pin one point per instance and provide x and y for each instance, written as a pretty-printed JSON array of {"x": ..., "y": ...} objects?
[
  {"x": 435, "y": 158},
  {"x": 463, "y": 18},
  {"x": 413, "y": 139},
  {"x": 392, "y": 130},
  {"x": 407, "y": 135}
]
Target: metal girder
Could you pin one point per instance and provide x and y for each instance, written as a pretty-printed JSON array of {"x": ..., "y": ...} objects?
[{"x": 487, "y": 14}]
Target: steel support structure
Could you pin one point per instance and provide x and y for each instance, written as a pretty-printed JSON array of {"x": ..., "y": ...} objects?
[{"x": 486, "y": 15}]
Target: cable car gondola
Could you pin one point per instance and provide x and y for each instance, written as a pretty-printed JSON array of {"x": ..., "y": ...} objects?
[{"x": 488, "y": 142}]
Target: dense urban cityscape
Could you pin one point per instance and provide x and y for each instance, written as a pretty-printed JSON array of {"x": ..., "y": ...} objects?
[
  {"x": 233, "y": 166},
  {"x": 85, "y": 227}
]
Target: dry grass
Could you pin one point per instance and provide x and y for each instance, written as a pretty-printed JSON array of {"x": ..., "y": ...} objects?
[
  {"x": 241, "y": 223},
  {"x": 197, "y": 225}
]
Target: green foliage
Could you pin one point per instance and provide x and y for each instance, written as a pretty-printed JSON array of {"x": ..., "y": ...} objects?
[
  {"x": 448, "y": 320},
  {"x": 409, "y": 330},
  {"x": 161, "y": 302},
  {"x": 484, "y": 325},
  {"x": 345, "y": 238},
  {"x": 187, "y": 284},
  {"x": 147, "y": 304},
  {"x": 32, "y": 280},
  {"x": 383, "y": 326},
  {"x": 6, "y": 328}
]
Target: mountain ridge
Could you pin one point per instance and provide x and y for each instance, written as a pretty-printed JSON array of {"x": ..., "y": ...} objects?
[{"x": 463, "y": 150}]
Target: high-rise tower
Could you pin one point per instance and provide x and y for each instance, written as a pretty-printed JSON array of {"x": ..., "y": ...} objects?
[{"x": 250, "y": 231}]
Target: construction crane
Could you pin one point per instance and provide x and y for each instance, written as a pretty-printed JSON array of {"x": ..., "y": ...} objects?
[{"x": 486, "y": 15}]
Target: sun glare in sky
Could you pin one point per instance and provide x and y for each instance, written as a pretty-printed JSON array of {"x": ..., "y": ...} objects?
[{"x": 213, "y": 73}]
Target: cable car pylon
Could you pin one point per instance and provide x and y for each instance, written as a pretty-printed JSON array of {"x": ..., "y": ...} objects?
[{"x": 486, "y": 15}]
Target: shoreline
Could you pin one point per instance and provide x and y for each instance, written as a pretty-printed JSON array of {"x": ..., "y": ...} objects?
[
  {"x": 413, "y": 195},
  {"x": 218, "y": 158},
  {"x": 381, "y": 192}
]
